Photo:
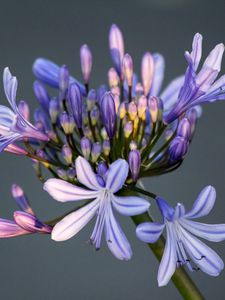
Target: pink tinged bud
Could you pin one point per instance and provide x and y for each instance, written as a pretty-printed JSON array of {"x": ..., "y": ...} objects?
[
  {"x": 142, "y": 105},
  {"x": 184, "y": 129},
  {"x": 30, "y": 222},
  {"x": 132, "y": 110},
  {"x": 67, "y": 154},
  {"x": 86, "y": 62},
  {"x": 153, "y": 109},
  {"x": 85, "y": 147},
  {"x": 128, "y": 129},
  {"x": 116, "y": 46},
  {"x": 134, "y": 160},
  {"x": 21, "y": 199},
  {"x": 113, "y": 78},
  {"x": 122, "y": 110},
  {"x": 15, "y": 150},
  {"x": 128, "y": 69},
  {"x": 24, "y": 109},
  {"x": 139, "y": 90},
  {"x": 64, "y": 78},
  {"x": 147, "y": 72}
]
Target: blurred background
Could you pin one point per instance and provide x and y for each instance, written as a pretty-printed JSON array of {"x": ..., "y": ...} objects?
[{"x": 35, "y": 267}]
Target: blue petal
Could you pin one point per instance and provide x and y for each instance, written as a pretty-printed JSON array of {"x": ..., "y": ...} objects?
[
  {"x": 159, "y": 69},
  {"x": 196, "y": 53},
  {"x": 166, "y": 210},
  {"x": 10, "y": 88},
  {"x": 203, "y": 204},
  {"x": 149, "y": 232},
  {"x": 130, "y": 206},
  {"x": 117, "y": 175},
  {"x": 179, "y": 211},
  {"x": 9, "y": 139}
]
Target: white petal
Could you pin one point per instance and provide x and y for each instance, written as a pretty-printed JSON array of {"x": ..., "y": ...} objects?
[
  {"x": 149, "y": 232},
  {"x": 203, "y": 204},
  {"x": 214, "y": 58},
  {"x": 168, "y": 263},
  {"x": 196, "y": 53},
  {"x": 10, "y": 87},
  {"x": 116, "y": 239},
  {"x": 85, "y": 174},
  {"x": 117, "y": 175},
  {"x": 74, "y": 222},
  {"x": 64, "y": 191},
  {"x": 158, "y": 76},
  {"x": 130, "y": 206}
]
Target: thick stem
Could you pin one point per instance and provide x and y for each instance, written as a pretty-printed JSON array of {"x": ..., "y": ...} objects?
[{"x": 181, "y": 279}]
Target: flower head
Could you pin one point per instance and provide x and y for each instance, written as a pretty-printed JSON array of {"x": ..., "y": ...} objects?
[
  {"x": 101, "y": 190},
  {"x": 182, "y": 247}
]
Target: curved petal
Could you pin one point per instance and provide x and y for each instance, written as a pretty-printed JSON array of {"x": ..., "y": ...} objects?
[
  {"x": 130, "y": 206},
  {"x": 149, "y": 232},
  {"x": 116, "y": 239},
  {"x": 214, "y": 58},
  {"x": 10, "y": 87},
  {"x": 203, "y": 204},
  {"x": 203, "y": 256},
  {"x": 10, "y": 229},
  {"x": 74, "y": 222},
  {"x": 117, "y": 175},
  {"x": 196, "y": 52},
  {"x": 64, "y": 191},
  {"x": 179, "y": 211},
  {"x": 9, "y": 139},
  {"x": 85, "y": 174},
  {"x": 169, "y": 261},
  {"x": 210, "y": 232},
  {"x": 7, "y": 116},
  {"x": 158, "y": 76}
]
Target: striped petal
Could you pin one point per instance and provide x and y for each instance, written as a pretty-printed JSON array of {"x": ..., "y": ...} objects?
[
  {"x": 130, "y": 206},
  {"x": 203, "y": 204},
  {"x": 149, "y": 232},
  {"x": 63, "y": 191},
  {"x": 117, "y": 175},
  {"x": 10, "y": 229},
  {"x": 85, "y": 174},
  {"x": 74, "y": 222},
  {"x": 159, "y": 69},
  {"x": 10, "y": 87}
]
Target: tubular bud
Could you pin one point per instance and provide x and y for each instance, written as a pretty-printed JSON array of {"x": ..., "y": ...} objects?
[
  {"x": 108, "y": 113},
  {"x": 134, "y": 160},
  {"x": 75, "y": 101},
  {"x": 86, "y": 62},
  {"x": 24, "y": 109},
  {"x": 95, "y": 151},
  {"x": 128, "y": 69},
  {"x": 85, "y": 145},
  {"x": 113, "y": 78},
  {"x": 64, "y": 78},
  {"x": 147, "y": 72}
]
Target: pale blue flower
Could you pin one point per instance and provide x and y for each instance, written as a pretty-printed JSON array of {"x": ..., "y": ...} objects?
[
  {"x": 182, "y": 247},
  {"x": 104, "y": 201}
]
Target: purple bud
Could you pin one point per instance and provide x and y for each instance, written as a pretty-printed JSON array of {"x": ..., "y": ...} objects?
[
  {"x": 108, "y": 113},
  {"x": 178, "y": 148},
  {"x": 128, "y": 69},
  {"x": 102, "y": 168},
  {"x": 116, "y": 46},
  {"x": 134, "y": 159},
  {"x": 21, "y": 199},
  {"x": 94, "y": 115},
  {"x": 91, "y": 99},
  {"x": 95, "y": 151},
  {"x": 75, "y": 101},
  {"x": 67, "y": 123},
  {"x": 113, "y": 78},
  {"x": 54, "y": 109},
  {"x": 132, "y": 110},
  {"x": 15, "y": 150},
  {"x": 128, "y": 128},
  {"x": 147, "y": 72},
  {"x": 116, "y": 99},
  {"x": 101, "y": 92},
  {"x": 85, "y": 145},
  {"x": 64, "y": 78},
  {"x": 67, "y": 154},
  {"x": 71, "y": 173},
  {"x": 106, "y": 147},
  {"x": 142, "y": 106},
  {"x": 192, "y": 116},
  {"x": 24, "y": 109},
  {"x": 41, "y": 95},
  {"x": 86, "y": 62},
  {"x": 153, "y": 109},
  {"x": 184, "y": 129},
  {"x": 30, "y": 222},
  {"x": 62, "y": 174},
  {"x": 40, "y": 115}
]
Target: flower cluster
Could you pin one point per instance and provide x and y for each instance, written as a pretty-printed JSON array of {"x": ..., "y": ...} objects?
[{"x": 97, "y": 144}]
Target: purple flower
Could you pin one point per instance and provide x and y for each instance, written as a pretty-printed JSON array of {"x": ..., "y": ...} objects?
[
  {"x": 104, "y": 202},
  {"x": 13, "y": 125},
  {"x": 182, "y": 247},
  {"x": 108, "y": 113},
  {"x": 199, "y": 87}
]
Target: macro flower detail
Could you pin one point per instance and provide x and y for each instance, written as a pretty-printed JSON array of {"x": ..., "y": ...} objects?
[
  {"x": 102, "y": 190},
  {"x": 182, "y": 247},
  {"x": 13, "y": 125}
]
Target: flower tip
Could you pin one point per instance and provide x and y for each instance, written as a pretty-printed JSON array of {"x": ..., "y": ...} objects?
[{"x": 16, "y": 191}]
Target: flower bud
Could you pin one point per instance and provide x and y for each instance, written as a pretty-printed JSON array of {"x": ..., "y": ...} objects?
[
  {"x": 132, "y": 110},
  {"x": 75, "y": 101},
  {"x": 184, "y": 129},
  {"x": 178, "y": 148},
  {"x": 64, "y": 78},
  {"x": 153, "y": 109},
  {"x": 168, "y": 133},
  {"x": 113, "y": 78},
  {"x": 147, "y": 72},
  {"x": 95, "y": 151},
  {"x": 54, "y": 109},
  {"x": 41, "y": 95},
  {"x": 142, "y": 105},
  {"x": 62, "y": 174},
  {"x": 139, "y": 90},
  {"x": 133, "y": 145},
  {"x": 41, "y": 116},
  {"x": 86, "y": 62},
  {"x": 67, "y": 123},
  {"x": 128, "y": 69},
  {"x": 87, "y": 132},
  {"x": 116, "y": 46},
  {"x": 24, "y": 109},
  {"x": 71, "y": 173},
  {"x": 67, "y": 154},
  {"x": 122, "y": 110},
  {"x": 94, "y": 115},
  {"x": 101, "y": 92},
  {"x": 108, "y": 113},
  {"x": 116, "y": 99},
  {"x": 21, "y": 199},
  {"x": 85, "y": 145},
  {"x": 102, "y": 169},
  {"x": 91, "y": 99},
  {"x": 192, "y": 116},
  {"x": 15, "y": 150},
  {"x": 104, "y": 134},
  {"x": 106, "y": 147},
  {"x": 134, "y": 160},
  {"x": 127, "y": 129}
]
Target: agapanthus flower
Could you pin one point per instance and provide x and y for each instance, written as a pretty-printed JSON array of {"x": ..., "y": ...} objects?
[
  {"x": 13, "y": 125},
  {"x": 25, "y": 221},
  {"x": 102, "y": 190},
  {"x": 182, "y": 247}
]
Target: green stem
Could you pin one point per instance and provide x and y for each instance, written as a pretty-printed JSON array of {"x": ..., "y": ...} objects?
[{"x": 181, "y": 279}]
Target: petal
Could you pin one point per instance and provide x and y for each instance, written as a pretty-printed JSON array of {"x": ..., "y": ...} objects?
[
  {"x": 214, "y": 58},
  {"x": 9, "y": 139},
  {"x": 210, "y": 232},
  {"x": 74, "y": 222},
  {"x": 10, "y": 229},
  {"x": 10, "y": 87},
  {"x": 158, "y": 77},
  {"x": 117, "y": 175},
  {"x": 149, "y": 232},
  {"x": 196, "y": 53},
  {"x": 203, "y": 204},
  {"x": 179, "y": 211},
  {"x": 203, "y": 256},
  {"x": 168, "y": 263},
  {"x": 85, "y": 174},
  {"x": 116, "y": 239},
  {"x": 130, "y": 206},
  {"x": 7, "y": 116},
  {"x": 64, "y": 191}
]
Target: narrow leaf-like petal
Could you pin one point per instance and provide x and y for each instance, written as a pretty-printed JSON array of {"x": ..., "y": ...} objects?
[
  {"x": 117, "y": 175},
  {"x": 149, "y": 232},
  {"x": 130, "y": 206},
  {"x": 10, "y": 229}
]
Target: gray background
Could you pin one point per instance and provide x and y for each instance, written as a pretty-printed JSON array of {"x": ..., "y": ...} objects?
[{"x": 35, "y": 267}]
